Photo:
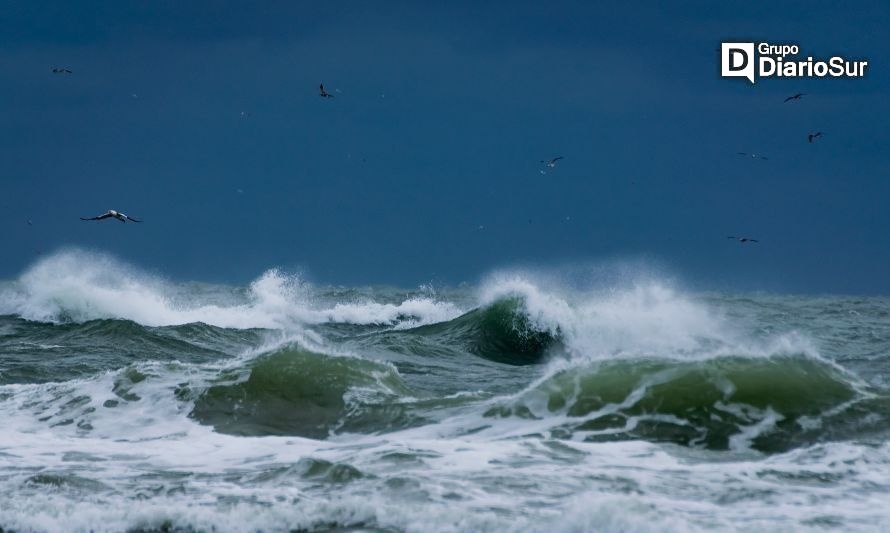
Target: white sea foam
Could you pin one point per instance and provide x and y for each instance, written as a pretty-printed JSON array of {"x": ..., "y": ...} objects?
[
  {"x": 467, "y": 472},
  {"x": 641, "y": 318},
  {"x": 159, "y": 467},
  {"x": 479, "y": 482},
  {"x": 80, "y": 286}
]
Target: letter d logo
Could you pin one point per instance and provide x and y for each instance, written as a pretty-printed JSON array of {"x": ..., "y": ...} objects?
[{"x": 737, "y": 60}]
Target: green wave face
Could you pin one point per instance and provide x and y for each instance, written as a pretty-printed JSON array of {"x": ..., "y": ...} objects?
[
  {"x": 35, "y": 352},
  {"x": 500, "y": 332},
  {"x": 299, "y": 392},
  {"x": 772, "y": 404}
]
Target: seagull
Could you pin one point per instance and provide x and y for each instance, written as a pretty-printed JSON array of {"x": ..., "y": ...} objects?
[
  {"x": 323, "y": 93},
  {"x": 61, "y": 71},
  {"x": 743, "y": 240},
  {"x": 813, "y": 136},
  {"x": 551, "y": 162},
  {"x": 112, "y": 213},
  {"x": 755, "y": 156},
  {"x": 795, "y": 97}
]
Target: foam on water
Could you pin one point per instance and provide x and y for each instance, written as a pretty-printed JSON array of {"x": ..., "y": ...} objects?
[
  {"x": 440, "y": 482},
  {"x": 643, "y": 318},
  {"x": 79, "y": 286},
  {"x": 121, "y": 449}
]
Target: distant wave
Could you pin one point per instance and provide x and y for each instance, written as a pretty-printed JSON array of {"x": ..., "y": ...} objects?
[
  {"x": 78, "y": 286},
  {"x": 519, "y": 321},
  {"x": 512, "y": 318}
]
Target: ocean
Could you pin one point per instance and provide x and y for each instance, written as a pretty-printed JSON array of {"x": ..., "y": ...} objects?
[{"x": 529, "y": 401}]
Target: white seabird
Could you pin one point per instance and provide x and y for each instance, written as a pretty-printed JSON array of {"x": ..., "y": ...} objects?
[{"x": 112, "y": 213}]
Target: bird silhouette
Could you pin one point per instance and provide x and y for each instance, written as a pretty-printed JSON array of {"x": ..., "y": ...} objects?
[
  {"x": 111, "y": 213},
  {"x": 551, "y": 162}
]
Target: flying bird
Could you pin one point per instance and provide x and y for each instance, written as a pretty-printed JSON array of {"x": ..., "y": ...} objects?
[
  {"x": 112, "y": 213},
  {"x": 323, "y": 93},
  {"x": 795, "y": 97},
  {"x": 813, "y": 136},
  {"x": 743, "y": 240},
  {"x": 61, "y": 71},
  {"x": 551, "y": 162},
  {"x": 754, "y": 156}
]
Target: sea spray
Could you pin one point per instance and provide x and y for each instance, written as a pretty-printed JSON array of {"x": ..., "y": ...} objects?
[{"x": 132, "y": 402}]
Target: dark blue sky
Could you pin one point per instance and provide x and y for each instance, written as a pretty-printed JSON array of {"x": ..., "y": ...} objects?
[{"x": 441, "y": 118}]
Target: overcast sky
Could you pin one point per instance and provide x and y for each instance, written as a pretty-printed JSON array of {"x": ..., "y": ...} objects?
[{"x": 425, "y": 166}]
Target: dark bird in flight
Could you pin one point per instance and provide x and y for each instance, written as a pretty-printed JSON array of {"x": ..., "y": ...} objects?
[
  {"x": 323, "y": 93},
  {"x": 742, "y": 240},
  {"x": 551, "y": 162},
  {"x": 813, "y": 136},
  {"x": 61, "y": 71},
  {"x": 112, "y": 213},
  {"x": 755, "y": 156},
  {"x": 795, "y": 97}
]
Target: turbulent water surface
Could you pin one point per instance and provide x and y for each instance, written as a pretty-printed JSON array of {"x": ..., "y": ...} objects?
[{"x": 131, "y": 403}]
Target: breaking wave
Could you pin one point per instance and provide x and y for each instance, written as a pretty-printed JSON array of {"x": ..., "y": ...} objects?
[{"x": 78, "y": 286}]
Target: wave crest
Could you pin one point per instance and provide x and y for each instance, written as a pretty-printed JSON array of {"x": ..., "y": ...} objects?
[
  {"x": 299, "y": 392},
  {"x": 78, "y": 286},
  {"x": 500, "y": 331},
  {"x": 646, "y": 318},
  {"x": 769, "y": 404}
]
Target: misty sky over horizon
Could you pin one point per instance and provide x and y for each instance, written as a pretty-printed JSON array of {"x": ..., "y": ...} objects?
[{"x": 425, "y": 166}]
